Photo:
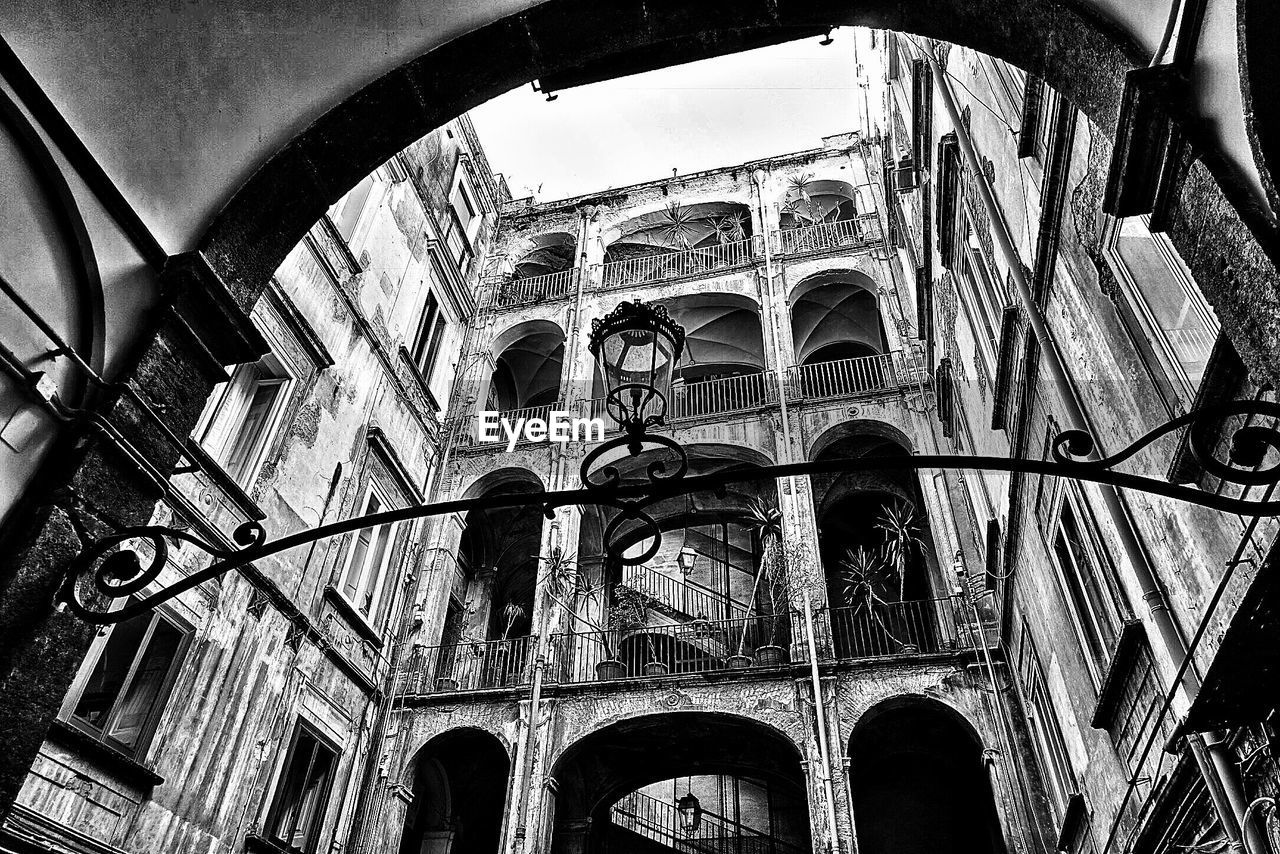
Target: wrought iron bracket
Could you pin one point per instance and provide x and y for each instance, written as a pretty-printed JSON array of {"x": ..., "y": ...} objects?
[{"x": 112, "y": 568}]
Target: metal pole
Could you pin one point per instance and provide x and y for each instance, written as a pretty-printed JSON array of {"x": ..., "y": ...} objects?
[{"x": 821, "y": 716}]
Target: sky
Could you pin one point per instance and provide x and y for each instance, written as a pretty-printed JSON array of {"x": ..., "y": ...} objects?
[{"x": 717, "y": 112}]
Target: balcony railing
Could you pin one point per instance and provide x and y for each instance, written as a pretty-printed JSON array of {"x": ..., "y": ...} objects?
[
  {"x": 701, "y": 646},
  {"x": 683, "y": 596},
  {"x": 684, "y": 262},
  {"x": 923, "y": 627},
  {"x": 846, "y": 377},
  {"x": 920, "y": 627},
  {"x": 466, "y": 666},
  {"x": 706, "y": 398},
  {"x": 660, "y": 821},
  {"x": 862, "y": 232},
  {"x": 550, "y": 286}
]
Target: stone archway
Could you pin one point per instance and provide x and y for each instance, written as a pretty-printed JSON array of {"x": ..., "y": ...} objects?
[
  {"x": 610, "y": 765},
  {"x": 919, "y": 782},
  {"x": 459, "y": 783}
]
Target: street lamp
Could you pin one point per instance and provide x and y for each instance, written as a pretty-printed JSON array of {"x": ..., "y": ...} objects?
[
  {"x": 690, "y": 812},
  {"x": 636, "y": 347}
]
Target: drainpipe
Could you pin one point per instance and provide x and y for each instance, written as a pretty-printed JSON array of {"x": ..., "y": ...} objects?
[
  {"x": 1221, "y": 767},
  {"x": 820, "y": 714}
]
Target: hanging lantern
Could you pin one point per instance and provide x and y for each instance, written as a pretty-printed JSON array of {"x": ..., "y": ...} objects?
[
  {"x": 690, "y": 813},
  {"x": 636, "y": 347}
]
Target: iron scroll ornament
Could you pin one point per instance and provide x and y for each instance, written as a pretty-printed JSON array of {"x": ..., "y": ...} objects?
[{"x": 114, "y": 568}]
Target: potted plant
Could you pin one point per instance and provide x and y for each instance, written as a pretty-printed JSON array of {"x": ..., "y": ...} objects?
[
  {"x": 629, "y": 613},
  {"x": 512, "y": 612},
  {"x": 863, "y": 575},
  {"x": 766, "y": 520},
  {"x": 901, "y": 536},
  {"x": 567, "y": 585}
]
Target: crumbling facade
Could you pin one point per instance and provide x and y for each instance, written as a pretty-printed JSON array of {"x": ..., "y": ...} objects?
[{"x": 892, "y": 660}]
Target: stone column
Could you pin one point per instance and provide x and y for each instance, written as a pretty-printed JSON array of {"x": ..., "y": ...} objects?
[
  {"x": 94, "y": 488},
  {"x": 571, "y": 837},
  {"x": 437, "y": 842}
]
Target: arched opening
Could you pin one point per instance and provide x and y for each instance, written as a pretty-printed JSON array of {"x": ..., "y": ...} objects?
[
  {"x": 484, "y": 639},
  {"x": 838, "y": 336},
  {"x": 874, "y": 546},
  {"x": 527, "y": 368},
  {"x": 459, "y": 794},
  {"x": 809, "y": 203},
  {"x": 679, "y": 240},
  {"x": 620, "y": 788},
  {"x": 920, "y": 785},
  {"x": 546, "y": 269},
  {"x": 723, "y": 365},
  {"x": 707, "y": 598}
]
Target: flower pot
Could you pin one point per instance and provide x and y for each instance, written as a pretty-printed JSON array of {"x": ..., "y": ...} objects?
[
  {"x": 446, "y": 683},
  {"x": 770, "y": 656},
  {"x": 610, "y": 669},
  {"x": 738, "y": 662},
  {"x": 908, "y": 648},
  {"x": 655, "y": 668},
  {"x": 512, "y": 678}
]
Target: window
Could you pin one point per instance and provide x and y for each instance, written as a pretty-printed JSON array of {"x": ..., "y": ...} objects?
[
  {"x": 362, "y": 580},
  {"x": 120, "y": 699},
  {"x": 1046, "y": 117},
  {"x": 1055, "y": 764},
  {"x": 298, "y": 811},
  {"x": 426, "y": 343},
  {"x": 239, "y": 429},
  {"x": 1169, "y": 317},
  {"x": 1136, "y": 717},
  {"x": 346, "y": 213},
  {"x": 464, "y": 222},
  {"x": 1091, "y": 600},
  {"x": 983, "y": 302}
]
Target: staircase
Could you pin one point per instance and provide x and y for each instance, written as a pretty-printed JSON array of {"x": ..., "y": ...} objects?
[
  {"x": 645, "y": 825},
  {"x": 682, "y": 600}
]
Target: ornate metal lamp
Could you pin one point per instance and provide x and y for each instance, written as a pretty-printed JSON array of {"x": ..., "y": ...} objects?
[
  {"x": 690, "y": 809},
  {"x": 636, "y": 347}
]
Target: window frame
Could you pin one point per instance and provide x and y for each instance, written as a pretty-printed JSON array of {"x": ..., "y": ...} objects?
[
  {"x": 1158, "y": 353},
  {"x": 429, "y": 336},
  {"x": 463, "y": 254},
  {"x": 164, "y": 692},
  {"x": 376, "y": 613},
  {"x": 219, "y": 426},
  {"x": 275, "y": 812},
  {"x": 1098, "y": 634},
  {"x": 1051, "y": 747}
]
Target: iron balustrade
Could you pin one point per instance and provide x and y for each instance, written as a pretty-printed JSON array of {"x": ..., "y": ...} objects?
[
  {"x": 846, "y": 377},
  {"x": 916, "y": 627},
  {"x": 699, "y": 646},
  {"x": 705, "y": 398},
  {"x": 861, "y": 232},
  {"x": 660, "y": 821},
  {"x": 466, "y": 666},
  {"x": 534, "y": 289},
  {"x": 683, "y": 596},
  {"x": 681, "y": 263}
]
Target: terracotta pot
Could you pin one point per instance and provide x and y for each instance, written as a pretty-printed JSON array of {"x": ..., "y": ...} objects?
[
  {"x": 738, "y": 662},
  {"x": 446, "y": 683},
  {"x": 909, "y": 648},
  {"x": 655, "y": 668},
  {"x": 770, "y": 656},
  {"x": 610, "y": 669}
]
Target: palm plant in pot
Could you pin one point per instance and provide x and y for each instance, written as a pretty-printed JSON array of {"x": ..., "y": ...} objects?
[
  {"x": 765, "y": 520},
  {"x": 901, "y": 536},
  {"x": 512, "y": 612},
  {"x": 863, "y": 575},
  {"x": 568, "y": 586},
  {"x": 629, "y": 614}
]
